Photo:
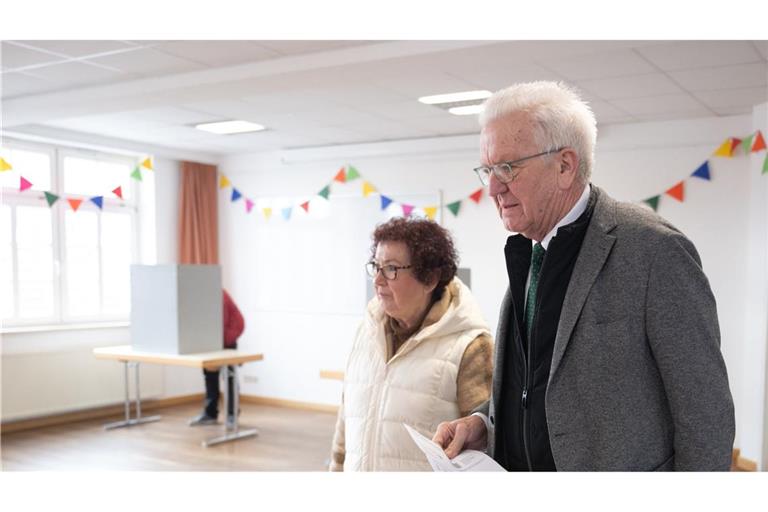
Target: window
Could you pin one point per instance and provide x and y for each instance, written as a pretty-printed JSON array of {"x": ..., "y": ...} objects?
[{"x": 59, "y": 265}]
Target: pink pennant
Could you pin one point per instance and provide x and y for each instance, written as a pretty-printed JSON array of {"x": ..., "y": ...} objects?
[
  {"x": 248, "y": 205},
  {"x": 24, "y": 184},
  {"x": 477, "y": 195},
  {"x": 407, "y": 209}
]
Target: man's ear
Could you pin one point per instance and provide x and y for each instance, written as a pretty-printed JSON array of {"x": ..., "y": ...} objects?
[{"x": 568, "y": 168}]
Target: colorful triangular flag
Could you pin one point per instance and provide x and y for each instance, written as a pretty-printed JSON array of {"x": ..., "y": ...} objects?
[
  {"x": 454, "y": 207},
  {"x": 136, "y": 174},
  {"x": 287, "y": 213},
  {"x": 74, "y": 203},
  {"x": 147, "y": 163},
  {"x": 305, "y": 205},
  {"x": 477, "y": 195},
  {"x": 759, "y": 142},
  {"x": 224, "y": 181},
  {"x": 385, "y": 201},
  {"x": 118, "y": 192},
  {"x": 235, "y": 195},
  {"x": 248, "y": 205},
  {"x": 735, "y": 142},
  {"x": 51, "y": 198},
  {"x": 4, "y": 165},
  {"x": 324, "y": 193},
  {"x": 703, "y": 171},
  {"x": 653, "y": 202},
  {"x": 340, "y": 176},
  {"x": 724, "y": 149},
  {"x": 431, "y": 211},
  {"x": 352, "y": 173},
  {"x": 98, "y": 201},
  {"x": 746, "y": 144},
  {"x": 407, "y": 209},
  {"x": 267, "y": 212},
  {"x": 24, "y": 184},
  {"x": 677, "y": 192},
  {"x": 368, "y": 189}
]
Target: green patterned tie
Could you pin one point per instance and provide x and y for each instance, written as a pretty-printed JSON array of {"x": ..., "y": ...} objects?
[{"x": 530, "y": 301}]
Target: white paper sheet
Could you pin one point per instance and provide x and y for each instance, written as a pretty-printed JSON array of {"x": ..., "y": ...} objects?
[{"x": 468, "y": 460}]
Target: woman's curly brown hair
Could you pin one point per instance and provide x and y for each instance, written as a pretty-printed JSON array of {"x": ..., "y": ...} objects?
[{"x": 431, "y": 247}]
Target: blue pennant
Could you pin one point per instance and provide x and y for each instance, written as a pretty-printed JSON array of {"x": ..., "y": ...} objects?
[
  {"x": 98, "y": 201},
  {"x": 703, "y": 171},
  {"x": 385, "y": 201},
  {"x": 286, "y": 213},
  {"x": 235, "y": 195}
]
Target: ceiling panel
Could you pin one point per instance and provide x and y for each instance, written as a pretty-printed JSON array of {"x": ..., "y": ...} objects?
[
  {"x": 217, "y": 53},
  {"x": 81, "y": 48},
  {"x": 654, "y": 84},
  {"x": 148, "y": 61},
  {"x": 76, "y": 73},
  {"x": 742, "y": 99},
  {"x": 14, "y": 57},
  {"x": 20, "y": 84},
  {"x": 697, "y": 54},
  {"x": 725, "y": 77},
  {"x": 287, "y": 47},
  {"x": 668, "y": 104},
  {"x": 600, "y": 65}
]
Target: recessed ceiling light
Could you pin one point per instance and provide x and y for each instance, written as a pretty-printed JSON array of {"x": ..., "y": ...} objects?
[
  {"x": 455, "y": 97},
  {"x": 230, "y": 127},
  {"x": 466, "y": 110}
]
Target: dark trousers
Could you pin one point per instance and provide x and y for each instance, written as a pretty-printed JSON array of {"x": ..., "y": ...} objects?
[{"x": 212, "y": 393}]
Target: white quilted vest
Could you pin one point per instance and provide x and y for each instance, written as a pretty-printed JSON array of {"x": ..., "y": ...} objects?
[{"x": 417, "y": 386}]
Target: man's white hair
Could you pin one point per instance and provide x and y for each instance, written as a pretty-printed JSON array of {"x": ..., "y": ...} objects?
[{"x": 562, "y": 117}]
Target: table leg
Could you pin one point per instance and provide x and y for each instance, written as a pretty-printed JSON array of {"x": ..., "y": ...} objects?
[
  {"x": 128, "y": 422},
  {"x": 232, "y": 402}
]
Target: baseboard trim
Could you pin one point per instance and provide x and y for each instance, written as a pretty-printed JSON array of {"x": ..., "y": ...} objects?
[
  {"x": 94, "y": 413},
  {"x": 290, "y": 404}
]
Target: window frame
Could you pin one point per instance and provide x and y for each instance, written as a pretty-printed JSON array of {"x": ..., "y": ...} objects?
[{"x": 14, "y": 198}]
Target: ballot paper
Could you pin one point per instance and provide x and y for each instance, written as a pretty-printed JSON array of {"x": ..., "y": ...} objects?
[{"x": 468, "y": 460}]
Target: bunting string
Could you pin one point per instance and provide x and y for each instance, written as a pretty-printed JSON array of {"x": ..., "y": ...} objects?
[{"x": 730, "y": 148}]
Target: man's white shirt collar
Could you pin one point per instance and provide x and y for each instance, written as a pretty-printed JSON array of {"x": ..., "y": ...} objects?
[{"x": 572, "y": 215}]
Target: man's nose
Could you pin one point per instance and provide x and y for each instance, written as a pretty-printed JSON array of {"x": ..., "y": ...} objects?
[{"x": 495, "y": 187}]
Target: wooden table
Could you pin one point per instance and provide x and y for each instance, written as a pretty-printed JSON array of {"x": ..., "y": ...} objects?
[{"x": 230, "y": 359}]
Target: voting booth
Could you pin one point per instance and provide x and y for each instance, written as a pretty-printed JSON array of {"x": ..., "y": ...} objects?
[{"x": 176, "y": 309}]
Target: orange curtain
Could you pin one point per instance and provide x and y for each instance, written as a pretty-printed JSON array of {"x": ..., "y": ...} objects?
[{"x": 198, "y": 214}]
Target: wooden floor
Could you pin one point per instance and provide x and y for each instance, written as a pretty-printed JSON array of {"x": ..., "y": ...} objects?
[{"x": 288, "y": 440}]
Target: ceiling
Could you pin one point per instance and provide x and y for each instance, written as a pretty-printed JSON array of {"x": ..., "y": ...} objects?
[{"x": 321, "y": 93}]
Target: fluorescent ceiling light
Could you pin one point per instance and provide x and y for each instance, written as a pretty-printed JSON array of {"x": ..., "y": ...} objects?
[
  {"x": 229, "y": 127},
  {"x": 455, "y": 97},
  {"x": 466, "y": 110}
]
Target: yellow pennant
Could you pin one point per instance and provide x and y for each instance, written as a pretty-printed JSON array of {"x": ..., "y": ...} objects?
[
  {"x": 224, "y": 181},
  {"x": 147, "y": 163},
  {"x": 5, "y": 166},
  {"x": 430, "y": 211},
  {"x": 368, "y": 189},
  {"x": 724, "y": 149},
  {"x": 267, "y": 212}
]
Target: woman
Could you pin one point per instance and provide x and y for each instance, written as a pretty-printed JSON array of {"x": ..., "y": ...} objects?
[{"x": 421, "y": 356}]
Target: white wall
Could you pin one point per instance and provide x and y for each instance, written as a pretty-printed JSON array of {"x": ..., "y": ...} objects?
[
  {"x": 306, "y": 321},
  {"x": 47, "y": 372}
]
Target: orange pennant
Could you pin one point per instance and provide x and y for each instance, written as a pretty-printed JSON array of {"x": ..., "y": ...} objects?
[
  {"x": 477, "y": 195},
  {"x": 74, "y": 203},
  {"x": 677, "y": 192},
  {"x": 341, "y": 176},
  {"x": 734, "y": 143},
  {"x": 759, "y": 142},
  {"x": 305, "y": 205}
]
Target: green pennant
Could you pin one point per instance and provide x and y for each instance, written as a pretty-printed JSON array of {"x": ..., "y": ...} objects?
[
  {"x": 51, "y": 198},
  {"x": 136, "y": 174},
  {"x": 653, "y": 202},
  {"x": 747, "y": 143},
  {"x": 352, "y": 173},
  {"x": 454, "y": 207},
  {"x": 324, "y": 193},
  {"x": 765, "y": 165}
]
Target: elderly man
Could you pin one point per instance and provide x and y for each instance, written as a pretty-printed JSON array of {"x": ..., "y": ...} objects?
[{"x": 608, "y": 346}]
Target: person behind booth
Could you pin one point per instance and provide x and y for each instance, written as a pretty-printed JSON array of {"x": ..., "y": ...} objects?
[{"x": 233, "y": 327}]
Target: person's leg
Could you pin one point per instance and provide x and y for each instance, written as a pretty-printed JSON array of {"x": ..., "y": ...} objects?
[{"x": 211, "y": 393}]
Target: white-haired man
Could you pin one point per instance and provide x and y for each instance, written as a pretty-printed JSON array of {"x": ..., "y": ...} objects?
[{"x": 608, "y": 346}]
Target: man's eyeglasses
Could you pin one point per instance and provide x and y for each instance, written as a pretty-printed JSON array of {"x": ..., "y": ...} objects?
[
  {"x": 389, "y": 271},
  {"x": 506, "y": 172}
]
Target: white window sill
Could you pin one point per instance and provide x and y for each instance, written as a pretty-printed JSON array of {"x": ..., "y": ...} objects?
[{"x": 63, "y": 327}]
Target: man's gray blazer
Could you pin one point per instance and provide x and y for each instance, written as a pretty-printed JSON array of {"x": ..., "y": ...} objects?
[{"x": 637, "y": 380}]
